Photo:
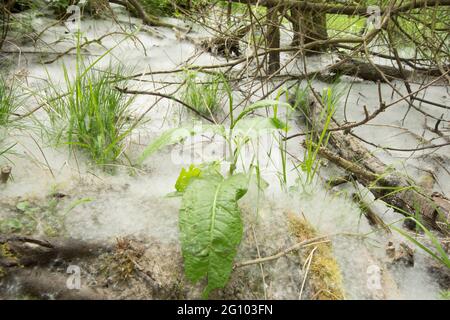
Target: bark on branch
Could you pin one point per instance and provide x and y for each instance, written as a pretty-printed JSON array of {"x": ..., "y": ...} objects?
[
  {"x": 367, "y": 71},
  {"x": 387, "y": 184},
  {"x": 19, "y": 251},
  {"x": 347, "y": 10}
]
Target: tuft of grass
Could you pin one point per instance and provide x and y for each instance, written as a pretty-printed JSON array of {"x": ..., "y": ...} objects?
[
  {"x": 4, "y": 150},
  {"x": 437, "y": 252},
  {"x": 205, "y": 96},
  {"x": 318, "y": 139},
  {"x": 93, "y": 116},
  {"x": 8, "y": 103},
  {"x": 317, "y": 125}
]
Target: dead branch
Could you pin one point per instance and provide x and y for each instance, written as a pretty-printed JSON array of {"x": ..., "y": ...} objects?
[
  {"x": 297, "y": 246},
  {"x": 26, "y": 251},
  {"x": 398, "y": 191},
  {"x": 162, "y": 95},
  {"x": 366, "y": 71}
]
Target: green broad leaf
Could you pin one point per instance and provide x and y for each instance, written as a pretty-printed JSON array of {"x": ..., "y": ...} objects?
[
  {"x": 176, "y": 135},
  {"x": 23, "y": 206},
  {"x": 186, "y": 177},
  {"x": 211, "y": 228}
]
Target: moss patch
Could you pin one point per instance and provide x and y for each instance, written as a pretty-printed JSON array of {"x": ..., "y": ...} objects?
[{"x": 325, "y": 278}]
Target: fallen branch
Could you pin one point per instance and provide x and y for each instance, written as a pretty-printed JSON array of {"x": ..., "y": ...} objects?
[
  {"x": 162, "y": 95},
  {"x": 283, "y": 253},
  {"x": 396, "y": 190},
  {"x": 20, "y": 251},
  {"x": 366, "y": 71}
]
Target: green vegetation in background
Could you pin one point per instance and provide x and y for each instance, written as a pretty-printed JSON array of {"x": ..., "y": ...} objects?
[
  {"x": 9, "y": 103},
  {"x": 242, "y": 8},
  {"x": 60, "y": 6},
  {"x": 159, "y": 7},
  {"x": 210, "y": 224},
  {"x": 169, "y": 7},
  {"x": 343, "y": 25},
  {"x": 429, "y": 36},
  {"x": 204, "y": 95},
  {"x": 437, "y": 252}
]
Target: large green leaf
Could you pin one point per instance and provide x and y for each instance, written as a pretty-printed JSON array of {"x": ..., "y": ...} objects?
[{"x": 211, "y": 227}]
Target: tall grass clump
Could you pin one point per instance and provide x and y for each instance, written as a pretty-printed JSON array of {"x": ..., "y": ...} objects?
[
  {"x": 93, "y": 116},
  {"x": 204, "y": 95},
  {"x": 318, "y": 134},
  {"x": 8, "y": 103}
]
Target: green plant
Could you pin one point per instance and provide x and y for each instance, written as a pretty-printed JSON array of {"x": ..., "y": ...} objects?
[
  {"x": 169, "y": 7},
  {"x": 318, "y": 134},
  {"x": 205, "y": 97},
  {"x": 160, "y": 7},
  {"x": 210, "y": 223},
  {"x": 8, "y": 102},
  {"x": 21, "y": 26},
  {"x": 93, "y": 115},
  {"x": 60, "y": 6},
  {"x": 211, "y": 226},
  {"x": 240, "y": 132},
  {"x": 4, "y": 150},
  {"x": 438, "y": 253}
]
